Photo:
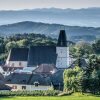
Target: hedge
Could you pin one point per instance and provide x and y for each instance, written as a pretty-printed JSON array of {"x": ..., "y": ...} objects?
[{"x": 29, "y": 93}]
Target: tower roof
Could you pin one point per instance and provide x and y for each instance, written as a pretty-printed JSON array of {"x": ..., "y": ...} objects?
[{"x": 62, "y": 42}]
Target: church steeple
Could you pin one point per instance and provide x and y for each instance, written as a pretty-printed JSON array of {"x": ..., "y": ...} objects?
[{"x": 62, "y": 41}]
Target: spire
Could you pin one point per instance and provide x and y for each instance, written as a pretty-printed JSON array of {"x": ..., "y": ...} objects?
[{"x": 62, "y": 42}]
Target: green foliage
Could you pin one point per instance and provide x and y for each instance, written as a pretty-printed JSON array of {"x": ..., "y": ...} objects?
[
  {"x": 81, "y": 49},
  {"x": 94, "y": 62},
  {"x": 96, "y": 47},
  {"x": 75, "y": 96},
  {"x": 70, "y": 79},
  {"x": 11, "y": 45},
  {"x": 79, "y": 80},
  {"x": 29, "y": 93}
]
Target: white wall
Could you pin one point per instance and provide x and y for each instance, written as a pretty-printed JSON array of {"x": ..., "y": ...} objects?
[
  {"x": 62, "y": 57},
  {"x": 29, "y": 87},
  {"x": 1, "y": 70},
  {"x": 16, "y": 63}
]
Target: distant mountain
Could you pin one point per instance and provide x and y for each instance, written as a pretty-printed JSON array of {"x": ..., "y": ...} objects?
[
  {"x": 51, "y": 30},
  {"x": 73, "y": 17}
]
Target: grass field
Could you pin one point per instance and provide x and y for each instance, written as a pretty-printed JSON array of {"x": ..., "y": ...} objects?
[{"x": 53, "y": 98}]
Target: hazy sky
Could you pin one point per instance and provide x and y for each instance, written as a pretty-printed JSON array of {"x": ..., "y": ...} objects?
[{"x": 30, "y": 4}]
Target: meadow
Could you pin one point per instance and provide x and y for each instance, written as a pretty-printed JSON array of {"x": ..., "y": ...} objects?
[{"x": 52, "y": 98}]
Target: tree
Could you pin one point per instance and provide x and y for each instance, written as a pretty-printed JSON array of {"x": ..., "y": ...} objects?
[
  {"x": 23, "y": 43},
  {"x": 71, "y": 79},
  {"x": 96, "y": 47},
  {"x": 94, "y": 82},
  {"x": 11, "y": 45},
  {"x": 2, "y": 46},
  {"x": 84, "y": 49},
  {"x": 94, "y": 62}
]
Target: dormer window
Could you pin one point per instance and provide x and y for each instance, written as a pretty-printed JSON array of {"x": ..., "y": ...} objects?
[{"x": 36, "y": 84}]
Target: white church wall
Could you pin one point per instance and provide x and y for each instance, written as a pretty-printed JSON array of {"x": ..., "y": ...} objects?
[
  {"x": 61, "y": 62},
  {"x": 16, "y": 63},
  {"x": 62, "y": 57},
  {"x": 61, "y": 51}
]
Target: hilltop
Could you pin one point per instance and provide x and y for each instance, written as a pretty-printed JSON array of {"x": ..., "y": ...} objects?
[{"x": 51, "y": 30}]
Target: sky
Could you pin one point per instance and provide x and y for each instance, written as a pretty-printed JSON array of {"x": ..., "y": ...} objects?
[{"x": 32, "y": 4}]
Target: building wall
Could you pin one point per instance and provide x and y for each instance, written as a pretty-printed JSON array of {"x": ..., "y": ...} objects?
[
  {"x": 16, "y": 63},
  {"x": 18, "y": 87},
  {"x": 62, "y": 57}
]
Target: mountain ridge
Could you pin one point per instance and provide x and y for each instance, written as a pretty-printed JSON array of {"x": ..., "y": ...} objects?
[
  {"x": 51, "y": 30},
  {"x": 72, "y": 17}
]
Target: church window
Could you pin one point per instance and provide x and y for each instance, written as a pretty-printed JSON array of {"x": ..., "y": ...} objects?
[{"x": 20, "y": 63}]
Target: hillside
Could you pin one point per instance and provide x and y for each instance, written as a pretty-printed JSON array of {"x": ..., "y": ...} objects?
[
  {"x": 72, "y": 17},
  {"x": 51, "y": 30}
]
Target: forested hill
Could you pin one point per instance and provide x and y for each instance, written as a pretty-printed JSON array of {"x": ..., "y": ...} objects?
[{"x": 47, "y": 29}]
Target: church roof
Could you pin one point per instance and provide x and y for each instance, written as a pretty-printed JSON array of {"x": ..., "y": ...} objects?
[
  {"x": 62, "y": 41},
  {"x": 42, "y": 55},
  {"x": 18, "y": 54}
]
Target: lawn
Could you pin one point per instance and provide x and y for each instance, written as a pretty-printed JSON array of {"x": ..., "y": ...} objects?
[{"x": 53, "y": 98}]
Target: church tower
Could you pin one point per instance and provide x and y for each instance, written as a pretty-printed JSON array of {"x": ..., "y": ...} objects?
[{"x": 62, "y": 51}]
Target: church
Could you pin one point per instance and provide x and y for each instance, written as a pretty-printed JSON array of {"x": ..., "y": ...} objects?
[
  {"x": 38, "y": 67},
  {"x": 35, "y": 56}
]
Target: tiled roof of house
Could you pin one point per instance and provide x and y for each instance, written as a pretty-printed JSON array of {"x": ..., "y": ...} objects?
[
  {"x": 4, "y": 87},
  {"x": 29, "y": 79},
  {"x": 57, "y": 78},
  {"x": 46, "y": 69},
  {"x": 82, "y": 62},
  {"x": 24, "y": 78},
  {"x": 2, "y": 84}
]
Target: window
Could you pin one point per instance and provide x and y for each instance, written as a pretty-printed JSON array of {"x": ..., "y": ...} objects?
[
  {"x": 23, "y": 87},
  {"x": 36, "y": 84},
  {"x": 14, "y": 87},
  {"x": 20, "y": 64}
]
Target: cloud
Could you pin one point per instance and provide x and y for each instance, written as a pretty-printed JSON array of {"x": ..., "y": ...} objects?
[{"x": 29, "y": 4}]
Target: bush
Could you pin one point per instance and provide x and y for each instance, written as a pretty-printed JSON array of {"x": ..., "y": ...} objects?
[{"x": 29, "y": 93}]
